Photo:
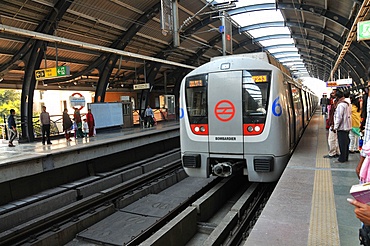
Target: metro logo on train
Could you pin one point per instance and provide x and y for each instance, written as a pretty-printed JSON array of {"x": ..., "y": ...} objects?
[{"x": 224, "y": 110}]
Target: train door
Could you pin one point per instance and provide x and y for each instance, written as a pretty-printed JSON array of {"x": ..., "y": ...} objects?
[
  {"x": 305, "y": 107},
  {"x": 225, "y": 112},
  {"x": 299, "y": 118},
  {"x": 292, "y": 128}
]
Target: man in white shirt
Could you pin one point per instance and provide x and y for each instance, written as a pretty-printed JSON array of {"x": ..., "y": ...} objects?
[
  {"x": 45, "y": 125},
  {"x": 342, "y": 125}
]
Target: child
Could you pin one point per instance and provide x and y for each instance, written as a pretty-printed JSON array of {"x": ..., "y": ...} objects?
[
  {"x": 74, "y": 128},
  {"x": 85, "y": 128}
]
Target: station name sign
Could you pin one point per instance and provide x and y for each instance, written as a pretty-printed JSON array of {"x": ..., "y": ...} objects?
[
  {"x": 77, "y": 100},
  {"x": 141, "y": 86},
  {"x": 53, "y": 72}
]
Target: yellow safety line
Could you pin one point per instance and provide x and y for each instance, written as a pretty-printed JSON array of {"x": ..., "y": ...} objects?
[{"x": 323, "y": 222}]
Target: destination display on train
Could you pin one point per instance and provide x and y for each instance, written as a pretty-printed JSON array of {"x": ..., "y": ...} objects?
[
  {"x": 259, "y": 78},
  {"x": 195, "y": 83}
]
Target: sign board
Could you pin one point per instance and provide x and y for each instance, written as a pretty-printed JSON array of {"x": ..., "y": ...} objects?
[
  {"x": 77, "y": 100},
  {"x": 141, "y": 86},
  {"x": 363, "y": 30},
  {"x": 344, "y": 81},
  {"x": 107, "y": 114},
  {"x": 53, "y": 72},
  {"x": 228, "y": 35},
  {"x": 125, "y": 98},
  {"x": 331, "y": 84}
]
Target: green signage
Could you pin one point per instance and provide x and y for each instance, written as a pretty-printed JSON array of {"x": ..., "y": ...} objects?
[
  {"x": 363, "y": 30},
  {"x": 53, "y": 72},
  {"x": 62, "y": 71}
]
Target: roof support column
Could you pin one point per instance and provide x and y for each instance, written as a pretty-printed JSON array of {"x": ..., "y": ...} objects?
[{"x": 33, "y": 60}]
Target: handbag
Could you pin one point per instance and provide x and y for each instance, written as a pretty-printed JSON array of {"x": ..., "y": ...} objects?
[
  {"x": 365, "y": 167},
  {"x": 364, "y": 235}
]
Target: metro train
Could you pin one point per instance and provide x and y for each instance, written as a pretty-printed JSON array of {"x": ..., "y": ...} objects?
[{"x": 241, "y": 114}]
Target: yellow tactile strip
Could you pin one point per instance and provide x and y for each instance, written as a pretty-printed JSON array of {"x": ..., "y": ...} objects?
[{"x": 323, "y": 222}]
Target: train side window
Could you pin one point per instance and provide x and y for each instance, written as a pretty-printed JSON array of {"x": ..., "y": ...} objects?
[
  {"x": 196, "y": 99},
  {"x": 296, "y": 98}
]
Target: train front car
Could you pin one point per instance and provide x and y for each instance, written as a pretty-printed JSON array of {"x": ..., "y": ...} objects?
[{"x": 233, "y": 119}]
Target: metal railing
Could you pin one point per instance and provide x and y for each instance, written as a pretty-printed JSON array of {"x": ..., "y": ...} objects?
[
  {"x": 56, "y": 126},
  {"x": 54, "y": 130}
]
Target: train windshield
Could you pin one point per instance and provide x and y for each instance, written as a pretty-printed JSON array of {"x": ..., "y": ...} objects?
[
  {"x": 196, "y": 99},
  {"x": 255, "y": 91}
]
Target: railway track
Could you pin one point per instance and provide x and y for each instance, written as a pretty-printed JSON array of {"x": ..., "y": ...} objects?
[
  {"x": 99, "y": 199},
  {"x": 32, "y": 223},
  {"x": 222, "y": 216},
  {"x": 220, "y": 212}
]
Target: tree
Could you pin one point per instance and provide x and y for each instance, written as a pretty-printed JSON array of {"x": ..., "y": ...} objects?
[{"x": 9, "y": 99}]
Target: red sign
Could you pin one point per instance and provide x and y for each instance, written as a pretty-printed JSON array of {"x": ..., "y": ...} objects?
[
  {"x": 224, "y": 110},
  {"x": 77, "y": 101}
]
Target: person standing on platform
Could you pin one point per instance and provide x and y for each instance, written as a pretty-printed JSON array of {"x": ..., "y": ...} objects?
[
  {"x": 362, "y": 212},
  {"x": 45, "y": 125},
  {"x": 331, "y": 102},
  {"x": 332, "y": 136},
  {"x": 78, "y": 121},
  {"x": 356, "y": 119},
  {"x": 342, "y": 125},
  {"x": 85, "y": 128},
  {"x": 365, "y": 124},
  {"x": 324, "y": 104},
  {"x": 148, "y": 117},
  {"x": 90, "y": 122},
  {"x": 67, "y": 124},
  {"x": 12, "y": 127}
]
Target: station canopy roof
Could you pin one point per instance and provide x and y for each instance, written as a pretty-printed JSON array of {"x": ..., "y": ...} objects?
[{"x": 314, "y": 38}]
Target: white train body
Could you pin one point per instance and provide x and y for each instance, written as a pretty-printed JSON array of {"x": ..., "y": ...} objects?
[{"x": 239, "y": 114}]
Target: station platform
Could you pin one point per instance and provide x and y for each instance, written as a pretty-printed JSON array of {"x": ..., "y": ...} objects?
[
  {"x": 35, "y": 153},
  {"x": 63, "y": 161},
  {"x": 309, "y": 204}
]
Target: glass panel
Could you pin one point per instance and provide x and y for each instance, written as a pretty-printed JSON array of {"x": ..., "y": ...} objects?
[
  {"x": 196, "y": 99},
  {"x": 296, "y": 98},
  {"x": 255, "y": 95},
  {"x": 171, "y": 104}
]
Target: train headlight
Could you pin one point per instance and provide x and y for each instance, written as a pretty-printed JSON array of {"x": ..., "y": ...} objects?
[
  {"x": 252, "y": 129},
  {"x": 199, "y": 129}
]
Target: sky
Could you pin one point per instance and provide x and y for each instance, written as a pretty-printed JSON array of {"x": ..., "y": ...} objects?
[{"x": 316, "y": 85}]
